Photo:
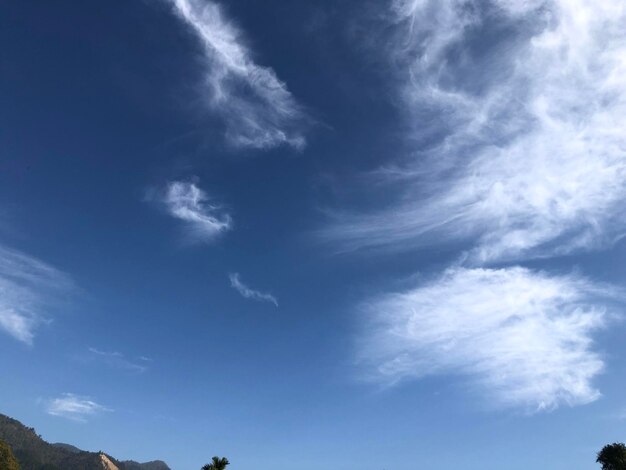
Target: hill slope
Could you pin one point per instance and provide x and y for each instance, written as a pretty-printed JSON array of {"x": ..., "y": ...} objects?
[{"x": 33, "y": 453}]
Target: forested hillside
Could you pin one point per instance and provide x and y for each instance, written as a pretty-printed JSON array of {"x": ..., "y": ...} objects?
[{"x": 33, "y": 453}]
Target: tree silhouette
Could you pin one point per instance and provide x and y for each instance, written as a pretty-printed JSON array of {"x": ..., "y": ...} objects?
[
  {"x": 613, "y": 457},
  {"x": 217, "y": 464}
]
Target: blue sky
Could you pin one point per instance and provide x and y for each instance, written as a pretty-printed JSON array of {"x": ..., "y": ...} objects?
[{"x": 381, "y": 235}]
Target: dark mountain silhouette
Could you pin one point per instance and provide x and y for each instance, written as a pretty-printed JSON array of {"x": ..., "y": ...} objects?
[
  {"x": 127, "y": 464},
  {"x": 154, "y": 465},
  {"x": 33, "y": 453}
]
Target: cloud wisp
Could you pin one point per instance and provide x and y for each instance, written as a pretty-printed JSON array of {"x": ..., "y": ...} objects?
[
  {"x": 515, "y": 111},
  {"x": 521, "y": 141},
  {"x": 117, "y": 360},
  {"x": 249, "y": 293},
  {"x": 27, "y": 287},
  {"x": 257, "y": 107},
  {"x": 523, "y": 339},
  {"x": 74, "y": 407},
  {"x": 187, "y": 202}
]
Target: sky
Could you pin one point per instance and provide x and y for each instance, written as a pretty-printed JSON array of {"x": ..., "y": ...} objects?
[{"x": 350, "y": 234}]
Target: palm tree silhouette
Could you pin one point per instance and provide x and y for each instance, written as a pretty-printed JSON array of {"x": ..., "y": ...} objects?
[{"x": 217, "y": 464}]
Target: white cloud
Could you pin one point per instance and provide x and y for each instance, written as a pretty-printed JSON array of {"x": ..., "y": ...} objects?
[
  {"x": 17, "y": 325},
  {"x": 74, "y": 407},
  {"x": 189, "y": 203},
  {"x": 522, "y": 338},
  {"x": 249, "y": 293},
  {"x": 118, "y": 360},
  {"x": 532, "y": 162},
  {"x": 27, "y": 286},
  {"x": 258, "y": 109},
  {"x": 515, "y": 112}
]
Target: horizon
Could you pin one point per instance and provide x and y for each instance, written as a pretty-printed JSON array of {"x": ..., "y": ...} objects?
[{"x": 359, "y": 234}]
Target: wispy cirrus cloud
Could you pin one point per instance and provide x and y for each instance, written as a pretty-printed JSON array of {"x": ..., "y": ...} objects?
[
  {"x": 257, "y": 107},
  {"x": 523, "y": 338},
  {"x": 117, "y": 360},
  {"x": 27, "y": 287},
  {"x": 249, "y": 293},
  {"x": 515, "y": 110},
  {"x": 520, "y": 138},
  {"x": 74, "y": 407},
  {"x": 203, "y": 220}
]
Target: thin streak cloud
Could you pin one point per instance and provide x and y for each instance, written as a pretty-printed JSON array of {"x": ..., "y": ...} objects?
[
  {"x": 249, "y": 293},
  {"x": 27, "y": 287},
  {"x": 117, "y": 360},
  {"x": 74, "y": 407},
  {"x": 257, "y": 107},
  {"x": 522, "y": 339},
  {"x": 204, "y": 220}
]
